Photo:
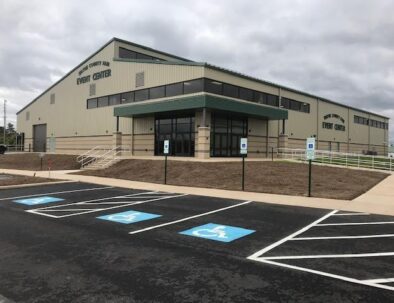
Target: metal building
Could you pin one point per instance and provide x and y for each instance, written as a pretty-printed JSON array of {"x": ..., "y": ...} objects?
[{"x": 137, "y": 97}]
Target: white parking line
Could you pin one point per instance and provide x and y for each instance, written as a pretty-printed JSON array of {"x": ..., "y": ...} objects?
[
  {"x": 57, "y": 192},
  {"x": 259, "y": 256},
  {"x": 189, "y": 218},
  {"x": 41, "y": 211},
  {"x": 326, "y": 274},
  {"x": 352, "y": 214},
  {"x": 342, "y": 237},
  {"x": 388, "y": 280},
  {"x": 355, "y": 223},
  {"x": 272, "y": 246},
  {"x": 382, "y": 254},
  {"x": 93, "y": 200}
]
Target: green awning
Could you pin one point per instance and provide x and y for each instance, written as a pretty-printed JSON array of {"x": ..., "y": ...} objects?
[{"x": 201, "y": 101}]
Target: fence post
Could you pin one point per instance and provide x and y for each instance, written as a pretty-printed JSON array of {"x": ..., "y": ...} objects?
[{"x": 373, "y": 162}]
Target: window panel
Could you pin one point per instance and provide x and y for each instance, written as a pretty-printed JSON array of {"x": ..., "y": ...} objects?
[
  {"x": 127, "y": 97},
  {"x": 174, "y": 89},
  {"x": 260, "y": 97},
  {"x": 272, "y": 100},
  {"x": 194, "y": 86},
  {"x": 157, "y": 92},
  {"x": 141, "y": 95},
  {"x": 143, "y": 57},
  {"x": 126, "y": 54},
  {"x": 212, "y": 86},
  {"x": 114, "y": 99},
  {"x": 285, "y": 103},
  {"x": 102, "y": 101},
  {"x": 230, "y": 90},
  {"x": 246, "y": 94}
]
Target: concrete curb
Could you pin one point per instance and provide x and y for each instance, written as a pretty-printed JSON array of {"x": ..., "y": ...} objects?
[{"x": 33, "y": 184}]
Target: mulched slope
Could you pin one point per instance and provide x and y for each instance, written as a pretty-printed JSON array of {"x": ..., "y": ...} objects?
[
  {"x": 284, "y": 178},
  {"x": 31, "y": 161}
]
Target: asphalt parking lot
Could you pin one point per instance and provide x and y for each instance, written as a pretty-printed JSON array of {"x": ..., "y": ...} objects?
[{"x": 78, "y": 242}]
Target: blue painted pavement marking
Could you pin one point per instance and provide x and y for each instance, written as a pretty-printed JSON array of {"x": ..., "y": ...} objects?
[
  {"x": 223, "y": 233},
  {"x": 128, "y": 217},
  {"x": 38, "y": 200}
]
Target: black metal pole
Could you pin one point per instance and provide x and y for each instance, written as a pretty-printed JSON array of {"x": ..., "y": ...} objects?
[
  {"x": 310, "y": 178},
  {"x": 41, "y": 163},
  {"x": 243, "y": 172},
  {"x": 272, "y": 154},
  {"x": 165, "y": 169}
]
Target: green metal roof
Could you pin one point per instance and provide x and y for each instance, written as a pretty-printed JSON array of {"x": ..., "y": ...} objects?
[{"x": 201, "y": 101}]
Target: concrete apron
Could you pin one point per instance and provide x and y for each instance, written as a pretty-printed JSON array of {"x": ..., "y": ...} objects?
[{"x": 378, "y": 200}]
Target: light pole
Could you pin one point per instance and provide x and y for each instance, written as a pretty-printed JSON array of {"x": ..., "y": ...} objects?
[{"x": 5, "y": 120}]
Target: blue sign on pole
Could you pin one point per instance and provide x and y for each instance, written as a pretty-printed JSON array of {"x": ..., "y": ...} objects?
[
  {"x": 38, "y": 200},
  {"x": 217, "y": 232},
  {"x": 128, "y": 217}
]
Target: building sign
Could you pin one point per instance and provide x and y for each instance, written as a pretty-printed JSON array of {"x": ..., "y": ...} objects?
[
  {"x": 337, "y": 126},
  {"x": 95, "y": 76}
]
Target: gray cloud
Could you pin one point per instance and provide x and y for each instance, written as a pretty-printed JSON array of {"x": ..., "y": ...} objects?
[{"x": 341, "y": 50}]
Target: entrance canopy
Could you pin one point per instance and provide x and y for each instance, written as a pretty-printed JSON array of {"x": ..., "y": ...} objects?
[{"x": 201, "y": 101}]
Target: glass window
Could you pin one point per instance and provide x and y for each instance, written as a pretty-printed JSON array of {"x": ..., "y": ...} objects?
[
  {"x": 212, "y": 86},
  {"x": 126, "y": 54},
  {"x": 285, "y": 103},
  {"x": 272, "y": 100},
  {"x": 260, "y": 97},
  {"x": 141, "y": 95},
  {"x": 193, "y": 86},
  {"x": 102, "y": 101},
  {"x": 230, "y": 90},
  {"x": 305, "y": 107},
  {"x": 127, "y": 97},
  {"x": 174, "y": 89},
  {"x": 295, "y": 105},
  {"x": 114, "y": 99},
  {"x": 143, "y": 57},
  {"x": 157, "y": 92},
  {"x": 246, "y": 94}
]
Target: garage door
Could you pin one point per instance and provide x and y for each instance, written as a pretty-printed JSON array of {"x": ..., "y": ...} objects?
[{"x": 39, "y": 137}]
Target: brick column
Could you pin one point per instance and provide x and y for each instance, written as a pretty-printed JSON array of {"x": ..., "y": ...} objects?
[
  {"x": 202, "y": 143},
  {"x": 117, "y": 140},
  {"x": 283, "y": 141}
]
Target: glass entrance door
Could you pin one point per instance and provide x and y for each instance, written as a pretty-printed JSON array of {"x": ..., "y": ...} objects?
[
  {"x": 226, "y": 133},
  {"x": 180, "y": 131}
]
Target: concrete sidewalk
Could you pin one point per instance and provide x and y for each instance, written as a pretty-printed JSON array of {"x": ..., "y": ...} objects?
[{"x": 378, "y": 200}]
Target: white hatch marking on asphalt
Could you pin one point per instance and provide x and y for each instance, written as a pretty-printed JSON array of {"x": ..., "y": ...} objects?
[
  {"x": 189, "y": 218},
  {"x": 260, "y": 257}
]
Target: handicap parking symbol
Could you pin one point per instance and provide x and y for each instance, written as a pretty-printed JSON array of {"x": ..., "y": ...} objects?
[
  {"x": 223, "y": 233},
  {"x": 38, "y": 200},
  {"x": 128, "y": 217}
]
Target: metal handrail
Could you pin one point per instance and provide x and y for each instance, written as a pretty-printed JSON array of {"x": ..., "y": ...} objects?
[
  {"x": 111, "y": 153},
  {"x": 86, "y": 154},
  {"x": 342, "y": 159}
]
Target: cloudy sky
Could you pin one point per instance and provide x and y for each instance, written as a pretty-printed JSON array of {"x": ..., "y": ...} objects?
[{"x": 341, "y": 50}]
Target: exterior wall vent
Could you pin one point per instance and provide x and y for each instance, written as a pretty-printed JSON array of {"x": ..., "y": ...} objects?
[
  {"x": 27, "y": 116},
  {"x": 139, "y": 79},
  {"x": 92, "y": 89},
  {"x": 52, "y": 99}
]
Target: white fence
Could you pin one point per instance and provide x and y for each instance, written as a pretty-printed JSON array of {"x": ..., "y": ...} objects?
[{"x": 342, "y": 159}]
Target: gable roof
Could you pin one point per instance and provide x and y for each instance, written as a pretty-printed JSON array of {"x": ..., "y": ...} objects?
[
  {"x": 179, "y": 59},
  {"x": 183, "y": 61}
]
